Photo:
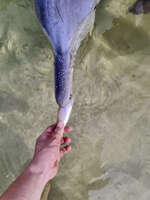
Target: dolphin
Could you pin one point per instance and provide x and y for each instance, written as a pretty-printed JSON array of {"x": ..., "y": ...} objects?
[{"x": 65, "y": 23}]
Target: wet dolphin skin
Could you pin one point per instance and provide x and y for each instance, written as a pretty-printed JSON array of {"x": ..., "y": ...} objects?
[{"x": 60, "y": 19}]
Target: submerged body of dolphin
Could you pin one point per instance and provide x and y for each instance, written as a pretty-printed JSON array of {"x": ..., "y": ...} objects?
[
  {"x": 60, "y": 20},
  {"x": 140, "y": 7}
]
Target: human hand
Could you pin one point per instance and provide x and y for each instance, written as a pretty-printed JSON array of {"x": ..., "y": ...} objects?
[{"x": 48, "y": 150}]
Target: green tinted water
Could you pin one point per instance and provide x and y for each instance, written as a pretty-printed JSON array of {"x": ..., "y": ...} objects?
[{"x": 110, "y": 156}]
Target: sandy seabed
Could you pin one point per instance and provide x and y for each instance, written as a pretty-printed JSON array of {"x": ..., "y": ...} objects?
[{"x": 110, "y": 157}]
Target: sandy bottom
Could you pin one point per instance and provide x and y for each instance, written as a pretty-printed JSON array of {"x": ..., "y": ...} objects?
[{"x": 110, "y": 157}]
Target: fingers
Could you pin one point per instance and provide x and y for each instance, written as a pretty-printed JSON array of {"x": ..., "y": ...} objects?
[
  {"x": 65, "y": 140},
  {"x": 60, "y": 129},
  {"x": 64, "y": 150},
  {"x": 56, "y": 130},
  {"x": 67, "y": 129}
]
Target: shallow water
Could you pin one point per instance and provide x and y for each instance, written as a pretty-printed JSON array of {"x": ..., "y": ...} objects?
[{"x": 110, "y": 157}]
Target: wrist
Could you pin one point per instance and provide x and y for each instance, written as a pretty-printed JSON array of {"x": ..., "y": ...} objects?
[{"x": 34, "y": 169}]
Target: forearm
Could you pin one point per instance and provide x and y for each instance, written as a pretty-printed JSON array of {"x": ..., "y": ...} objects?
[
  {"x": 43, "y": 167},
  {"x": 28, "y": 186}
]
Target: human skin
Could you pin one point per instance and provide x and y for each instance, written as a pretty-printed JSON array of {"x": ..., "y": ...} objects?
[{"x": 43, "y": 167}]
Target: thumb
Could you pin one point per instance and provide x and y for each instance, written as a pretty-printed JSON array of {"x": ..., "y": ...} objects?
[{"x": 59, "y": 128}]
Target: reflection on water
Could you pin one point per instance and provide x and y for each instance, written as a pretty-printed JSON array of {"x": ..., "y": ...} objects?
[{"x": 110, "y": 156}]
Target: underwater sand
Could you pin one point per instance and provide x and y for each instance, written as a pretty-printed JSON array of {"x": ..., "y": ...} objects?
[{"x": 110, "y": 157}]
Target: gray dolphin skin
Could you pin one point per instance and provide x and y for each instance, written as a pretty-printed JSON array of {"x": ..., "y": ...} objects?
[{"x": 61, "y": 20}]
